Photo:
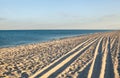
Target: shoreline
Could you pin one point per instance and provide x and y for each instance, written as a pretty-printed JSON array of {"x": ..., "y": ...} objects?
[
  {"x": 20, "y": 56},
  {"x": 30, "y": 59},
  {"x": 55, "y": 38}
]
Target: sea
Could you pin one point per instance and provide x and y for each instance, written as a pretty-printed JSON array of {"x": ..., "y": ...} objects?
[{"x": 10, "y": 38}]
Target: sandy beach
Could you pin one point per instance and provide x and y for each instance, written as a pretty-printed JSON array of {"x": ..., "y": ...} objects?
[{"x": 87, "y": 56}]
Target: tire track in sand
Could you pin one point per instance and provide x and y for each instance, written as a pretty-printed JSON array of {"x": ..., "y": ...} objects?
[
  {"x": 107, "y": 66},
  {"x": 72, "y": 59},
  {"x": 53, "y": 64},
  {"x": 59, "y": 65},
  {"x": 114, "y": 45},
  {"x": 94, "y": 70},
  {"x": 83, "y": 72},
  {"x": 116, "y": 61}
]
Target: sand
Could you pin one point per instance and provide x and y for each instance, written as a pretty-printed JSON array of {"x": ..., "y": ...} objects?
[{"x": 87, "y": 56}]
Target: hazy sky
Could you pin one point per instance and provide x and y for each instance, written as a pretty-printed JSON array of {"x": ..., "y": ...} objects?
[{"x": 59, "y": 14}]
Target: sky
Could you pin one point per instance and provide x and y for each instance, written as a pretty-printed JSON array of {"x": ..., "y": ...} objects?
[{"x": 59, "y": 14}]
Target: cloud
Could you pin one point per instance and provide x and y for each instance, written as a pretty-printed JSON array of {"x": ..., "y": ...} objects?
[
  {"x": 2, "y": 18},
  {"x": 110, "y": 18},
  {"x": 103, "y": 22}
]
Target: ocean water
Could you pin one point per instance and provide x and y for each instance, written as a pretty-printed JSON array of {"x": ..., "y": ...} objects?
[{"x": 17, "y": 37}]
